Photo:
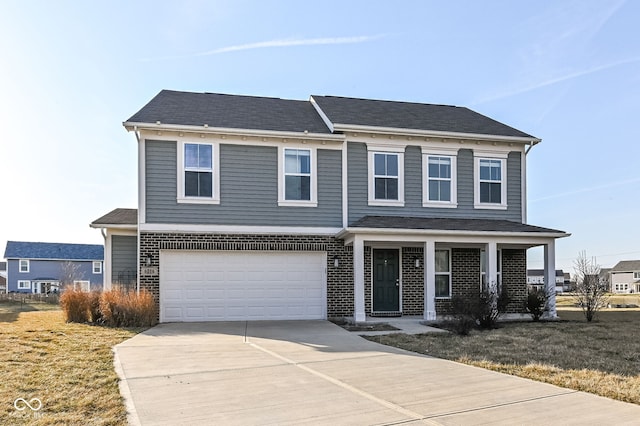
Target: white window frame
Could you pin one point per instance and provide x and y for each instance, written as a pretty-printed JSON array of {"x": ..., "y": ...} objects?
[
  {"x": 386, "y": 150},
  {"x": 85, "y": 285},
  {"x": 313, "y": 184},
  {"x": 636, "y": 275},
  {"x": 448, "y": 273},
  {"x": 491, "y": 156},
  {"x": 452, "y": 156},
  {"x": 24, "y": 285},
  {"x": 27, "y": 263},
  {"x": 96, "y": 267},
  {"x": 215, "y": 165}
]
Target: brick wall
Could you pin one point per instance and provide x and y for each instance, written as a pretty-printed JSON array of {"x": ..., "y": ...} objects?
[
  {"x": 339, "y": 280},
  {"x": 465, "y": 277},
  {"x": 412, "y": 281},
  {"x": 514, "y": 278}
]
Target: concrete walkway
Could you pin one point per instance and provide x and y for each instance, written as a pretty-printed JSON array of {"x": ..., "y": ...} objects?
[{"x": 314, "y": 372}]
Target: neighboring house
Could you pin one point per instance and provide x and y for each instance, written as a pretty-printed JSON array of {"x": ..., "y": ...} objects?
[
  {"x": 3, "y": 277},
  {"x": 625, "y": 277},
  {"x": 35, "y": 267},
  {"x": 535, "y": 279},
  {"x": 262, "y": 208}
]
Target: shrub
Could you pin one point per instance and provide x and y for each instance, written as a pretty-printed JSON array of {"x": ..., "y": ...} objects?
[
  {"x": 462, "y": 321},
  {"x": 93, "y": 300},
  {"x": 536, "y": 300},
  {"x": 75, "y": 305},
  {"x": 121, "y": 308},
  {"x": 483, "y": 311}
]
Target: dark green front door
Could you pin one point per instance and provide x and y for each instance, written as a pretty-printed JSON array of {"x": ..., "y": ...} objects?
[{"x": 386, "y": 280}]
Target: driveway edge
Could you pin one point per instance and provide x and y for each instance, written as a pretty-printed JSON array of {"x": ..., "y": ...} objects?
[{"x": 125, "y": 392}]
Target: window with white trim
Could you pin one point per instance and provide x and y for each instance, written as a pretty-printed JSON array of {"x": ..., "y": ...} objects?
[
  {"x": 297, "y": 177},
  {"x": 490, "y": 182},
  {"x": 386, "y": 176},
  {"x": 443, "y": 273},
  {"x": 23, "y": 265},
  {"x": 24, "y": 285},
  {"x": 439, "y": 188},
  {"x": 82, "y": 285},
  {"x": 636, "y": 275},
  {"x": 622, "y": 287},
  {"x": 198, "y": 173},
  {"x": 97, "y": 267}
]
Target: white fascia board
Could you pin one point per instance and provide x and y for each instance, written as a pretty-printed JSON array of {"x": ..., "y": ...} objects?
[
  {"x": 232, "y": 131},
  {"x": 233, "y": 229},
  {"x": 432, "y": 133},
  {"x": 422, "y": 233},
  {"x": 111, "y": 226}
]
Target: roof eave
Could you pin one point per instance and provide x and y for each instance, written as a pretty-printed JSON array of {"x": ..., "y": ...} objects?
[
  {"x": 113, "y": 226},
  {"x": 135, "y": 126},
  {"x": 434, "y": 133},
  {"x": 443, "y": 232}
]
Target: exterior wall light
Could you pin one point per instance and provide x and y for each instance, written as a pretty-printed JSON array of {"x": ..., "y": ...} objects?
[
  {"x": 336, "y": 261},
  {"x": 148, "y": 259},
  {"x": 417, "y": 262}
]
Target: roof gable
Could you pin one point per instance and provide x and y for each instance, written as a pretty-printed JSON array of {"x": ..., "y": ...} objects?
[
  {"x": 117, "y": 217},
  {"x": 53, "y": 251},
  {"x": 410, "y": 115},
  {"x": 627, "y": 266}
]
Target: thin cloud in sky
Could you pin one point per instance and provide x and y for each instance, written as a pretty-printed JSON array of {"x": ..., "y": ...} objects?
[
  {"x": 558, "y": 79},
  {"x": 589, "y": 189},
  {"x": 292, "y": 42}
]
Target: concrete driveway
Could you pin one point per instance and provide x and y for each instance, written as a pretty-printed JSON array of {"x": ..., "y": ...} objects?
[{"x": 314, "y": 372}]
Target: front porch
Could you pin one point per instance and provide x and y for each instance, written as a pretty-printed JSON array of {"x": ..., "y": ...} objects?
[{"x": 429, "y": 261}]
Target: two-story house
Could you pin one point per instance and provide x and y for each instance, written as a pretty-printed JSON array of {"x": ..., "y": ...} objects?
[
  {"x": 265, "y": 208},
  {"x": 625, "y": 277},
  {"x": 37, "y": 267}
]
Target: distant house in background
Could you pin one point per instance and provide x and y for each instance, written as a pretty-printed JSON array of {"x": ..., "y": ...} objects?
[
  {"x": 625, "y": 277},
  {"x": 3, "y": 277},
  {"x": 535, "y": 279},
  {"x": 34, "y": 267}
]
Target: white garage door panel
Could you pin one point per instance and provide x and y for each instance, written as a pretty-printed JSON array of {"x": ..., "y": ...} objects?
[{"x": 222, "y": 286}]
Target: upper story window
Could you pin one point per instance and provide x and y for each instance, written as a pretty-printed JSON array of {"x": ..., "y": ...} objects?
[
  {"x": 443, "y": 273},
  {"x": 386, "y": 178},
  {"x": 491, "y": 183},
  {"x": 636, "y": 275},
  {"x": 97, "y": 267},
  {"x": 23, "y": 265},
  {"x": 297, "y": 177},
  {"x": 439, "y": 188},
  {"x": 198, "y": 174}
]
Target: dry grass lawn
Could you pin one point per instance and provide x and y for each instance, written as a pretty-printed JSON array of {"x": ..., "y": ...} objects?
[
  {"x": 601, "y": 357},
  {"x": 69, "y": 367}
]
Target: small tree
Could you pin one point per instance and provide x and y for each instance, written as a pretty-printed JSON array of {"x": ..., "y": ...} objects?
[
  {"x": 591, "y": 288},
  {"x": 70, "y": 272},
  {"x": 536, "y": 300}
]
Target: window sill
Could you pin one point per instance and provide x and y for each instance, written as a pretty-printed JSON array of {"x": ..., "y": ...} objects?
[
  {"x": 386, "y": 203},
  {"x": 487, "y": 206},
  {"x": 443, "y": 297},
  {"x": 443, "y": 205},
  {"x": 188, "y": 200},
  {"x": 291, "y": 203}
]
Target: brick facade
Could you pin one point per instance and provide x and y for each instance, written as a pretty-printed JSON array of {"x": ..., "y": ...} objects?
[{"x": 465, "y": 264}]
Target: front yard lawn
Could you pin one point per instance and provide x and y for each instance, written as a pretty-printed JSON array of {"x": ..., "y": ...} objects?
[
  {"x": 68, "y": 367},
  {"x": 601, "y": 357}
]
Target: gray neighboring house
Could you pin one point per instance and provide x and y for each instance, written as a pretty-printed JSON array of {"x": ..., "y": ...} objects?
[
  {"x": 625, "y": 277},
  {"x": 255, "y": 208}
]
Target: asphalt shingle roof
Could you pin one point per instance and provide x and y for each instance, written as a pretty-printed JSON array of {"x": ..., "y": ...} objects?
[
  {"x": 627, "y": 266},
  {"x": 409, "y": 115},
  {"x": 118, "y": 217},
  {"x": 54, "y": 251},
  {"x": 446, "y": 224},
  {"x": 230, "y": 111}
]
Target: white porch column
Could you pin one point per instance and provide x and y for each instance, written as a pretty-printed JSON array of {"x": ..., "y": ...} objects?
[
  {"x": 550, "y": 277},
  {"x": 358, "y": 278},
  {"x": 429, "y": 263},
  {"x": 491, "y": 268}
]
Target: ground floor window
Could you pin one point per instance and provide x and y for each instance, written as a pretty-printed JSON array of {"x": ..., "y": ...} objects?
[
  {"x": 82, "y": 285},
  {"x": 622, "y": 287},
  {"x": 24, "y": 285},
  {"x": 443, "y": 273}
]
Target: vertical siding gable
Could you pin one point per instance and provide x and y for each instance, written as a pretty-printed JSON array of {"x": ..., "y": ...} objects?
[{"x": 124, "y": 251}]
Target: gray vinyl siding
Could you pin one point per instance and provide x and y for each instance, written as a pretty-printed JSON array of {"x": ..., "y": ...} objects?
[
  {"x": 248, "y": 189},
  {"x": 124, "y": 251},
  {"x": 358, "y": 188}
]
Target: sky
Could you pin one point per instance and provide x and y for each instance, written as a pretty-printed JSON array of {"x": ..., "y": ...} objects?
[{"x": 568, "y": 72}]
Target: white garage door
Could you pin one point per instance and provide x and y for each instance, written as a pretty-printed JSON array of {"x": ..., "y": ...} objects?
[{"x": 229, "y": 286}]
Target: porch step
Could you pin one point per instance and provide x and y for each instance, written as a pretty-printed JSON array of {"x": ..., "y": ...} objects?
[{"x": 386, "y": 314}]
